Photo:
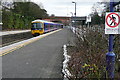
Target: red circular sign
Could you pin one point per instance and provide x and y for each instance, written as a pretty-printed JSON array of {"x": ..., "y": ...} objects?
[{"x": 116, "y": 23}]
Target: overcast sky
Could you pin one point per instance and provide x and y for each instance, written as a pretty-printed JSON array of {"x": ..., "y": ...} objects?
[{"x": 65, "y": 7}]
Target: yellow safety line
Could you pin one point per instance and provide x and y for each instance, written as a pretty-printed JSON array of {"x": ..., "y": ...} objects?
[
  {"x": 18, "y": 47},
  {"x": 26, "y": 43}
]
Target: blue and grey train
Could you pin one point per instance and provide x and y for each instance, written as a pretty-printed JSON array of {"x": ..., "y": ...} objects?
[{"x": 41, "y": 26}]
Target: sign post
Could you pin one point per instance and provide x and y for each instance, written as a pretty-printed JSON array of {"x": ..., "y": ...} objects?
[{"x": 111, "y": 27}]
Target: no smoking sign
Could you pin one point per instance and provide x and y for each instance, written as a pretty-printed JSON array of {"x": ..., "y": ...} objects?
[{"x": 112, "y": 23}]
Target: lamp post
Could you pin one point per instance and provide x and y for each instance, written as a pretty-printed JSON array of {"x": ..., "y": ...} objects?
[
  {"x": 75, "y": 8},
  {"x": 75, "y": 15}
]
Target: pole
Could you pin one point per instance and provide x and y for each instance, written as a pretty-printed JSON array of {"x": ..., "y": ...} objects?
[
  {"x": 88, "y": 24},
  {"x": 110, "y": 56},
  {"x": 75, "y": 16}
]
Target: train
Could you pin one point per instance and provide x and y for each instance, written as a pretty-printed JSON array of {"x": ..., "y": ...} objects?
[{"x": 41, "y": 26}]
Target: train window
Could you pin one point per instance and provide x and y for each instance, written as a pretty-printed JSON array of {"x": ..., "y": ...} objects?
[
  {"x": 51, "y": 25},
  {"x": 36, "y": 25},
  {"x": 55, "y": 26},
  {"x": 46, "y": 25}
]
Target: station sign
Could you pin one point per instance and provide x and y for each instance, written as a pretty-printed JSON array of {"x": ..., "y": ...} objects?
[
  {"x": 88, "y": 19},
  {"x": 112, "y": 23}
]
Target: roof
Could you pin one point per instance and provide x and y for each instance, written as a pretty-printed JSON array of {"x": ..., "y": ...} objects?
[{"x": 43, "y": 21}]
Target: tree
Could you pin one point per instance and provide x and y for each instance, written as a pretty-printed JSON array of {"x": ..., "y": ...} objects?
[
  {"x": 96, "y": 19},
  {"x": 20, "y": 15},
  {"x": 29, "y": 9}
]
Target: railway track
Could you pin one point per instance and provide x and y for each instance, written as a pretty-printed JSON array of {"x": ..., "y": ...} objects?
[{"x": 13, "y": 38}]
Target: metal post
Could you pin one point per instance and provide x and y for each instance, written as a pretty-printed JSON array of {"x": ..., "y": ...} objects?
[
  {"x": 75, "y": 19},
  {"x": 75, "y": 16},
  {"x": 88, "y": 25},
  {"x": 75, "y": 9},
  {"x": 110, "y": 56}
]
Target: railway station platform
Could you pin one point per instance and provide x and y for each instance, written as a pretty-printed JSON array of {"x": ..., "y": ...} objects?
[{"x": 2, "y": 33}]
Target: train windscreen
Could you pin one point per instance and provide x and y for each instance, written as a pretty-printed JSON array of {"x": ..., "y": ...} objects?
[{"x": 37, "y": 26}]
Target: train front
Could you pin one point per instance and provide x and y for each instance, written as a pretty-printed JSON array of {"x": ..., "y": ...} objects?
[{"x": 37, "y": 28}]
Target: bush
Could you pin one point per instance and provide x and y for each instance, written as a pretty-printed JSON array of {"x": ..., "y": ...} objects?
[{"x": 88, "y": 61}]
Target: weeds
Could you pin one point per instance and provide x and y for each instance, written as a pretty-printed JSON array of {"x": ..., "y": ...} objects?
[{"x": 88, "y": 59}]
